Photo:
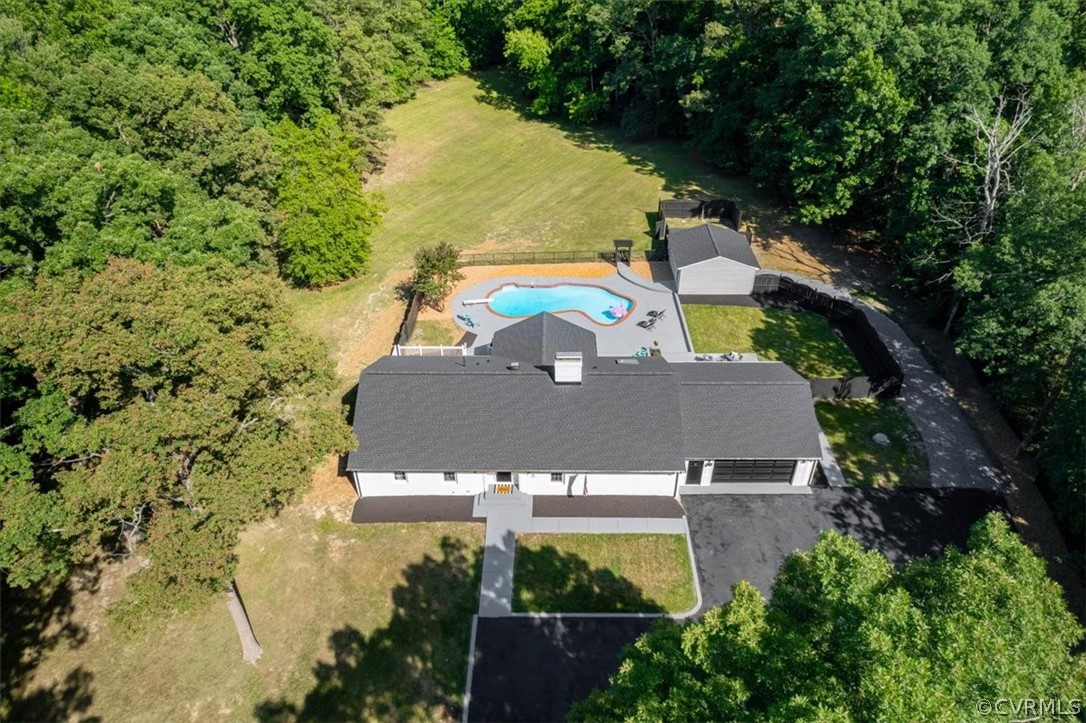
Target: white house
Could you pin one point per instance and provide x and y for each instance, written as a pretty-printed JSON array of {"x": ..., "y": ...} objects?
[
  {"x": 546, "y": 415},
  {"x": 711, "y": 259}
]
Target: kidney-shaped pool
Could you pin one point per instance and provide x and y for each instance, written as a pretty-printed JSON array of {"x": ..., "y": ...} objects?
[{"x": 597, "y": 303}]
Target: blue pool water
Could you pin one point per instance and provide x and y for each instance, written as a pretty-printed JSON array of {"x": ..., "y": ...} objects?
[{"x": 599, "y": 304}]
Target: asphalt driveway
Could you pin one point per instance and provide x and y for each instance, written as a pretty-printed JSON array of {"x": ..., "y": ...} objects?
[
  {"x": 534, "y": 669},
  {"x": 747, "y": 537}
]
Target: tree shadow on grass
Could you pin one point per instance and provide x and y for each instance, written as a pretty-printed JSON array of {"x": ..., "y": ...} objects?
[
  {"x": 37, "y": 620},
  {"x": 548, "y": 580},
  {"x": 806, "y": 342},
  {"x": 415, "y": 667},
  {"x": 412, "y": 668},
  {"x": 683, "y": 174}
]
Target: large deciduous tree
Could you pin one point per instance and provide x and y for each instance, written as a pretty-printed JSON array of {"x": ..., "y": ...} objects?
[
  {"x": 845, "y": 636},
  {"x": 327, "y": 219},
  {"x": 172, "y": 406}
]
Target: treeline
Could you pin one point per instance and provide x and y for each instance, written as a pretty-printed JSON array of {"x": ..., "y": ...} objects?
[
  {"x": 164, "y": 167},
  {"x": 950, "y": 134}
]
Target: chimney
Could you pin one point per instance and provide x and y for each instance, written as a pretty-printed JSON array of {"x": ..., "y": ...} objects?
[{"x": 568, "y": 367}]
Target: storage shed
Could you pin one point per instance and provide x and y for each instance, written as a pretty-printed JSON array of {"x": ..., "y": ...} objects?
[{"x": 711, "y": 259}]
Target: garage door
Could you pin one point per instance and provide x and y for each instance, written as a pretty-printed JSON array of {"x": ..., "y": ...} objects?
[{"x": 727, "y": 471}]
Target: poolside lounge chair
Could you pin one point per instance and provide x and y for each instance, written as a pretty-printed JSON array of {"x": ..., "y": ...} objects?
[
  {"x": 655, "y": 314},
  {"x": 468, "y": 321}
]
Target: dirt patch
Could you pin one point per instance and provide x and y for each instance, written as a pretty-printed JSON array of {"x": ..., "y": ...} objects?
[
  {"x": 331, "y": 492},
  {"x": 369, "y": 338}
]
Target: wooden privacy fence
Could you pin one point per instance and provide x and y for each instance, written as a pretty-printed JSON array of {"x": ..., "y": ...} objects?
[
  {"x": 511, "y": 258},
  {"x": 710, "y": 209},
  {"x": 407, "y": 328},
  {"x": 883, "y": 375}
]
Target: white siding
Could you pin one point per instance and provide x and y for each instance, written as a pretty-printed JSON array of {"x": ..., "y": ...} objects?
[
  {"x": 716, "y": 276},
  {"x": 803, "y": 472},
  {"x": 662, "y": 484},
  {"x": 384, "y": 484}
]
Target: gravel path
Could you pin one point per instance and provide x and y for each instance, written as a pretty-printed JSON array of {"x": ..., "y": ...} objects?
[{"x": 955, "y": 453}]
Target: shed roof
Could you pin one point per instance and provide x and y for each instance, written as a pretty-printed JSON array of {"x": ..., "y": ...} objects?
[
  {"x": 689, "y": 246},
  {"x": 538, "y": 338}
]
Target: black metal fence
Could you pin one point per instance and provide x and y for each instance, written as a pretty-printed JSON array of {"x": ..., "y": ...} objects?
[
  {"x": 883, "y": 376},
  {"x": 707, "y": 208},
  {"x": 511, "y": 258}
]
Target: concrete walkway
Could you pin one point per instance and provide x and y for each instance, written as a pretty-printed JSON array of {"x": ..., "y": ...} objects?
[
  {"x": 504, "y": 518},
  {"x": 955, "y": 454},
  {"x": 834, "y": 476}
]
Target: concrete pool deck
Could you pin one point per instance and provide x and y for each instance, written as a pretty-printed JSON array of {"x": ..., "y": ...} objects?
[{"x": 622, "y": 338}]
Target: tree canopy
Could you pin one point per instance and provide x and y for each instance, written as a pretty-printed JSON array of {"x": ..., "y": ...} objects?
[
  {"x": 845, "y": 636},
  {"x": 173, "y": 406},
  {"x": 437, "y": 269}
]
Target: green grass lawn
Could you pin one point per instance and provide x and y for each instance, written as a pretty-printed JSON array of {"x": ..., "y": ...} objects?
[
  {"x": 436, "y": 333},
  {"x": 850, "y": 426},
  {"x": 465, "y": 166},
  {"x": 803, "y": 340},
  {"x": 588, "y": 573},
  {"x": 357, "y": 623}
]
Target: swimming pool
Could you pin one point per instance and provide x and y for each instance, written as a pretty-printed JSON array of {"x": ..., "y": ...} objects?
[{"x": 597, "y": 303}]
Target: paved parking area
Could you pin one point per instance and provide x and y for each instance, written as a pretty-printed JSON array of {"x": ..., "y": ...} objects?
[
  {"x": 534, "y": 669},
  {"x": 747, "y": 537}
]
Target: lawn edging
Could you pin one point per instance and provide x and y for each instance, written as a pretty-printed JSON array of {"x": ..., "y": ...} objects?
[{"x": 698, "y": 598}]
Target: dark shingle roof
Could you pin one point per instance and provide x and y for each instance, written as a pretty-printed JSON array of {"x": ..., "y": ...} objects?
[
  {"x": 475, "y": 414},
  {"x": 636, "y": 415},
  {"x": 688, "y": 246},
  {"x": 760, "y": 410},
  {"x": 536, "y": 340}
]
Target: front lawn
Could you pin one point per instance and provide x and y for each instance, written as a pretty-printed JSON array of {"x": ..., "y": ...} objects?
[
  {"x": 850, "y": 426},
  {"x": 367, "y": 622},
  {"x": 602, "y": 573},
  {"x": 803, "y": 340}
]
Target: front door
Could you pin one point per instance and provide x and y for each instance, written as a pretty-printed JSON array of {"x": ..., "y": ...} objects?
[{"x": 693, "y": 472}]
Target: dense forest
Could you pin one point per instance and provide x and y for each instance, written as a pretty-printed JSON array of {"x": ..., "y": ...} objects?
[
  {"x": 950, "y": 135},
  {"x": 168, "y": 168}
]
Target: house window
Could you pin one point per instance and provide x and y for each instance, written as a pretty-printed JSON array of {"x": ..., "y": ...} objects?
[
  {"x": 450, "y": 476},
  {"x": 556, "y": 476},
  {"x": 505, "y": 476},
  {"x": 399, "y": 476}
]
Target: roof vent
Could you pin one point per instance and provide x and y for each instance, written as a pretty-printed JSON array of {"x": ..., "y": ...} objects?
[
  {"x": 568, "y": 367},
  {"x": 513, "y": 365}
]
